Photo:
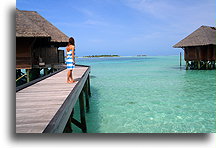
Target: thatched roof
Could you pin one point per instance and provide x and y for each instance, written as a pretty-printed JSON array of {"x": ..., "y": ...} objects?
[
  {"x": 204, "y": 35},
  {"x": 26, "y": 28},
  {"x": 31, "y": 24}
]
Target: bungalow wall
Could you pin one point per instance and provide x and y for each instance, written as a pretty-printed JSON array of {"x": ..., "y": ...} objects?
[
  {"x": 214, "y": 55},
  {"x": 48, "y": 55},
  {"x": 23, "y": 53},
  {"x": 203, "y": 53},
  {"x": 211, "y": 53},
  {"x": 200, "y": 53},
  {"x": 30, "y": 51},
  {"x": 190, "y": 54},
  {"x": 61, "y": 57}
]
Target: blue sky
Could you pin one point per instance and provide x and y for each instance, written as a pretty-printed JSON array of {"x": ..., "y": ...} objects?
[{"x": 125, "y": 27}]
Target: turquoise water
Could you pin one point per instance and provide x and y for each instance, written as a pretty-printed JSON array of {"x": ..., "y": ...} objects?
[{"x": 149, "y": 95}]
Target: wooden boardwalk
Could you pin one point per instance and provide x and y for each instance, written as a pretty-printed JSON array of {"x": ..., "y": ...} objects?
[{"x": 47, "y": 105}]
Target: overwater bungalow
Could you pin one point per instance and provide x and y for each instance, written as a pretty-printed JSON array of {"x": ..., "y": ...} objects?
[
  {"x": 37, "y": 43},
  {"x": 199, "y": 48}
]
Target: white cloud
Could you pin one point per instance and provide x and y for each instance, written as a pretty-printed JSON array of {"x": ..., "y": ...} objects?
[
  {"x": 178, "y": 11},
  {"x": 87, "y": 12},
  {"x": 177, "y": 15},
  {"x": 91, "y": 17}
]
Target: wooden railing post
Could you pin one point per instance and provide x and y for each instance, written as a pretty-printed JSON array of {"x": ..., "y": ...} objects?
[
  {"x": 187, "y": 64},
  {"x": 68, "y": 127},
  {"x": 28, "y": 75},
  {"x": 86, "y": 96},
  {"x": 82, "y": 112},
  {"x": 45, "y": 71},
  {"x": 89, "y": 90}
]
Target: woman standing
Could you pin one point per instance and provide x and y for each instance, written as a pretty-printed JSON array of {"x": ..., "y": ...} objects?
[{"x": 70, "y": 59}]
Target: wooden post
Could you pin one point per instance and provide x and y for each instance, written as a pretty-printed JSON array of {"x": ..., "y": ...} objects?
[
  {"x": 86, "y": 96},
  {"x": 28, "y": 75},
  {"x": 45, "y": 71},
  {"x": 212, "y": 64},
  {"x": 180, "y": 59},
  {"x": 198, "y": 65},
  {"x": 34, "y": 74},
  {"x": 187, "y": 65},
  {"x": 206, "y": 64},
  {"x": 68, "y": 127},
  {"x": 82, "y": 112},
  {"x": 51, "y": 70},
  {"x": 18, "y": 73},
  {"x": 72, "y": 118},
  {"x": 89, "y": 90},
  {"x": 195, "y": 64}
]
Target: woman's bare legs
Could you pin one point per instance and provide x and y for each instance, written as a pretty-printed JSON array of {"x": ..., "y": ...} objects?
[
  {"x": 69, "y": 73},
  {"x": 72, "y": 80},
  {"x": 69, "y": 77}
]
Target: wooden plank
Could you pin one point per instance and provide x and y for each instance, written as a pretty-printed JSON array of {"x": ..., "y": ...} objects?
[
  {"x": 27, "y": 128},
  {"x": 45, "y": 106}
]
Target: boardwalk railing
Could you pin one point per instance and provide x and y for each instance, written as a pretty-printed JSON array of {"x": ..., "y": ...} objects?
[
  {"x": 18, "y": 88},
  {"x": 65, "y": 113}
]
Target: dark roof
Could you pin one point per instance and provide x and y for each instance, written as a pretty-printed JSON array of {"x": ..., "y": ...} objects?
[
  {"x": 204, "y": 35},
  {"x": 31, "y": 24}
]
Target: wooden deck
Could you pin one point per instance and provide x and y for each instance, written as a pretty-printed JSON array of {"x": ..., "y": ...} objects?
[{"x": 47, "y": 105}]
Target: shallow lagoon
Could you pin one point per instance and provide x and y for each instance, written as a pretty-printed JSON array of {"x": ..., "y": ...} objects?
[{"x": 149, "y": 95}]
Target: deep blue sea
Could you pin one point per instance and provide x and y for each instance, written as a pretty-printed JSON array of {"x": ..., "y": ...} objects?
[{"x": 149, "y": 95}]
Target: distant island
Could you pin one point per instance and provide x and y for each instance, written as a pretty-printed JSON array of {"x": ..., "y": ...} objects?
[
  {"x": 93, "y": 56},
  {"x": 141, "y": 55}
]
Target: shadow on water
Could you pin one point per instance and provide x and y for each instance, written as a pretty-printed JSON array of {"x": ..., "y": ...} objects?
[
  {"x": 92, "y": 77},
  {"x": 178, "y": 67},
  {"x": 93, "y": 117}
]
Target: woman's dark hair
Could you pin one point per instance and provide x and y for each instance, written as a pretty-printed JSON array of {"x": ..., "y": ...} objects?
[{"x": 71, "y": 41}]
